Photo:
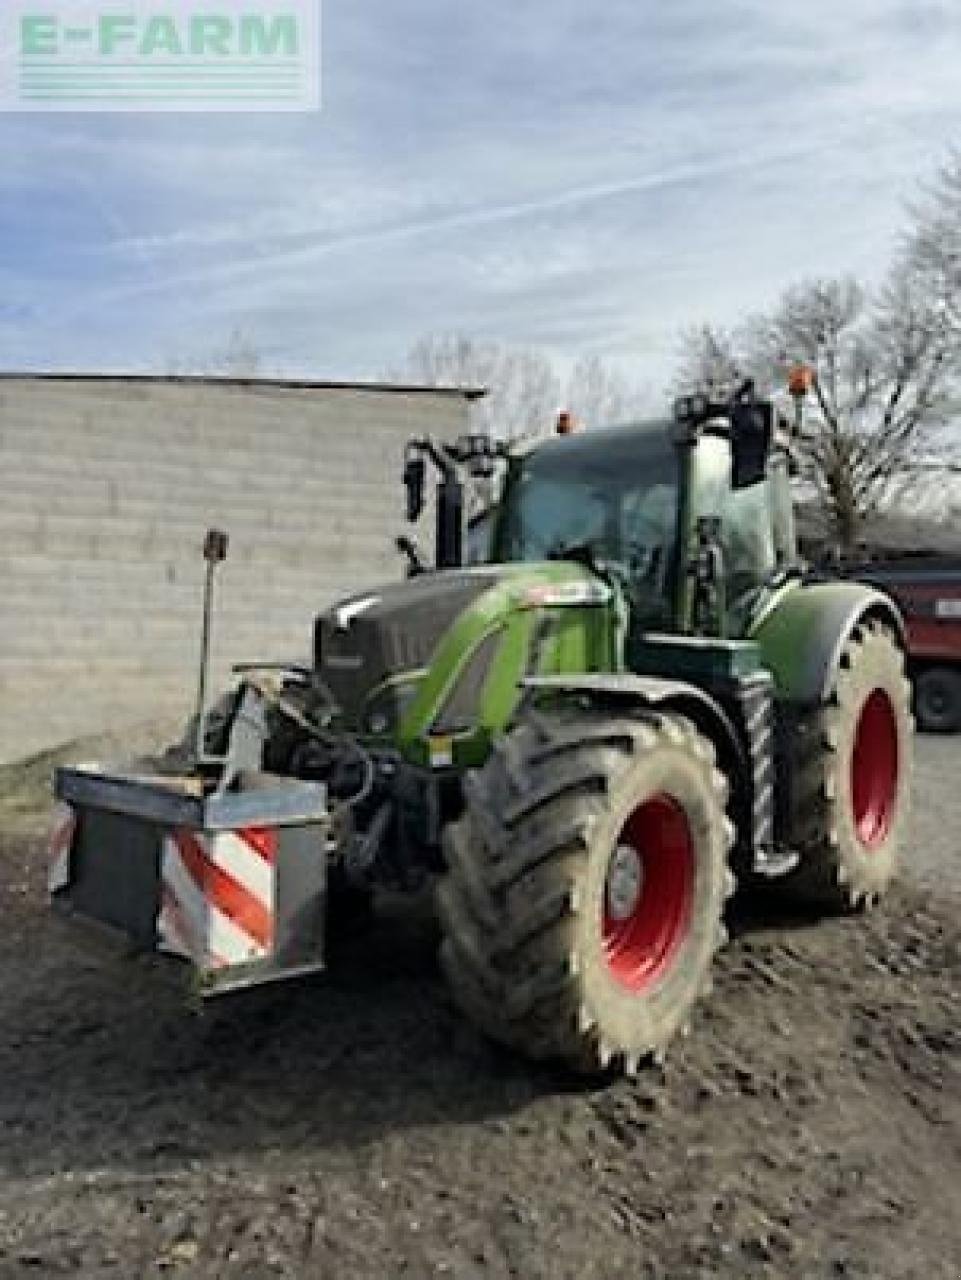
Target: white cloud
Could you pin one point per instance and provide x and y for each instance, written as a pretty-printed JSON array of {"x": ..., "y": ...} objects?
[{"x": 586, "y": 181}]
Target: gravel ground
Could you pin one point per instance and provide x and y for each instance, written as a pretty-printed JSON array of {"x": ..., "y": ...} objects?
[
  {"x": 934, "y": 855},
  {"x": 353, "y": 1126}
]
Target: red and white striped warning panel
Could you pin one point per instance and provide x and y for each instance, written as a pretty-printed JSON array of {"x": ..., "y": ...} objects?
[
  {"x": 62, "y": 828},
  {"x": 218, "y": 895}
]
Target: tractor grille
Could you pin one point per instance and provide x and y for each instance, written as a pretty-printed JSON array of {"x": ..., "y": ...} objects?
[{"x": 358, "y": 644}]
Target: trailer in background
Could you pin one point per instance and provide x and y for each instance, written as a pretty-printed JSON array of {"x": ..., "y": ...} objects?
[{"x": 927, "y": 589}]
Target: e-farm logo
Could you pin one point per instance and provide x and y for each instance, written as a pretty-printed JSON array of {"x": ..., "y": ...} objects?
[{"x": 141, "y": 56}]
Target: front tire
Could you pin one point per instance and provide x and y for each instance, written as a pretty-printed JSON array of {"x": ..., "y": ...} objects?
[{"x": 586, "y": 885}]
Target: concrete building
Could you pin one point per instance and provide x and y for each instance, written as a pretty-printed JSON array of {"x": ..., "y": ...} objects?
[{"x": 107, "y": 485}]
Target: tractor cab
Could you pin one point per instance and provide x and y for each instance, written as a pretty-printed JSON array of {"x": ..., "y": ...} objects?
[
  {"x": 610, "y": 499},
  {"x": 693, "y": 519}
]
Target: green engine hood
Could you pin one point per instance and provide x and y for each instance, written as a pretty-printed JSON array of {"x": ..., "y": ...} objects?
[{"x": 442, "y": 655}]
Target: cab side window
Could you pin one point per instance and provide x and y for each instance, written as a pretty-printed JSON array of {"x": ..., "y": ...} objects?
[
  {"x": 648, "y": 520},
  {"x": 746, "y": 526}
]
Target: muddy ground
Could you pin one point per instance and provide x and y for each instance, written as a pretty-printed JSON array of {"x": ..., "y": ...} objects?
[{"x": 810, "y": 1126}]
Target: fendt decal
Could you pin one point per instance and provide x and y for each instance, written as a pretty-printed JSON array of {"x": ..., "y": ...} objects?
[{"x": 570, "y": 594}]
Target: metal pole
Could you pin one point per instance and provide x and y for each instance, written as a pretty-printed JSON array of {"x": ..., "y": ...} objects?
[{"x": 215, "y": 550}]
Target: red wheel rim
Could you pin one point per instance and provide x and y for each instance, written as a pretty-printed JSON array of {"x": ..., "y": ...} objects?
[
  {"x": 874, "y": 770},
  {"x": 648, "y": 893}
]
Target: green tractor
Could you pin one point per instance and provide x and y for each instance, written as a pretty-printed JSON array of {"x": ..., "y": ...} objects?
[{"x": 638, "y": 699}]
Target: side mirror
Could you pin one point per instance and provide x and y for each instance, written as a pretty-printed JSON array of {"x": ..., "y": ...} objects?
[
  {"x": 415, "y": 470},
  {"x": 752, "y": 427}
]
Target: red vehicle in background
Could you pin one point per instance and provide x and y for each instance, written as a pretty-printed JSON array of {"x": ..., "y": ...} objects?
[{"x": 928, "y": 592}]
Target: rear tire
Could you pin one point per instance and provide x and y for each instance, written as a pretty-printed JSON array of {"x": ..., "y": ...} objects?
[
  {"x": 586, "y": 885},
  {"x": 937, "y": 700},
  {"x": 854, "y": 777}
]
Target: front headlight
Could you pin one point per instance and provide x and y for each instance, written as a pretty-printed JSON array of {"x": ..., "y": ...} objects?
[{"x": 387, "y": 707}]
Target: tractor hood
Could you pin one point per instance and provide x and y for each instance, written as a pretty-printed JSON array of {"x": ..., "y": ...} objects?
[
  {"x": 368, "y": 637},
  {"x": 401, "y": 629}
]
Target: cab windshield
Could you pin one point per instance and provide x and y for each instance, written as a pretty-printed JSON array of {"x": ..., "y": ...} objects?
[{"x": 610, "y": 495}]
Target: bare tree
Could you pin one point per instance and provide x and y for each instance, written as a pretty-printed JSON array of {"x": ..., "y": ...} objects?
[
  {"x": 710, "y": 362},
  {"x": 525, "y": 391},
  {"x": 599, "y": 394},
  {"x": 522, "y": 383},
  {"x": 879, "y": 388},
  {"x": 239, "y": 357},
  {"x": 933, "y": 248}
]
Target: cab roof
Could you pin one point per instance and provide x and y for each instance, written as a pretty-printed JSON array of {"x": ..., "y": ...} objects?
[{"x": 600, "y": 440}]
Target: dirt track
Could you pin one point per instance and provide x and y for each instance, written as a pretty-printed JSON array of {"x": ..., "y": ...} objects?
[{"x": 809, "y": 1127}]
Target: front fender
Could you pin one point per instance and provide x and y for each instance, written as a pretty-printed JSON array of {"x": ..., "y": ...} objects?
[
  {"x": 654, "y": 693},
  {"x": 804, "y": 634}
]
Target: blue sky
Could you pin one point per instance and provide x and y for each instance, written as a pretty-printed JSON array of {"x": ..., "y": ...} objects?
[{"x": 589, "y": 179}]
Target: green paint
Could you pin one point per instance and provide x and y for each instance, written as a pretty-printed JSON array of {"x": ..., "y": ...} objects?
[
  {"x": 700, "y": 660},
  {"x": 578, "y": 638},
  {"x": 788, "y": 631}
]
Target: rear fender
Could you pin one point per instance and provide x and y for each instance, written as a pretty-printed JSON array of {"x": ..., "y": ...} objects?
[{"x": 804, "y": 634}]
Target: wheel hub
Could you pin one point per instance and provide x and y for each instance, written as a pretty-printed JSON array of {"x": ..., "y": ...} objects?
[
  {"x": 625, "y": 882},
  {"x": 875, "y": 770},
  {"x": 649, "y": 893}
]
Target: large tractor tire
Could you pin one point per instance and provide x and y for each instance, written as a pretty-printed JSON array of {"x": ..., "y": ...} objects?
[
  {"x": 586, "y": 885},
  {"x": 854, "y": 778}
]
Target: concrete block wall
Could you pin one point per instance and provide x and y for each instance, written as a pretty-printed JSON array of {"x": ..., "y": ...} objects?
[{"x": 106, "y": 489}]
